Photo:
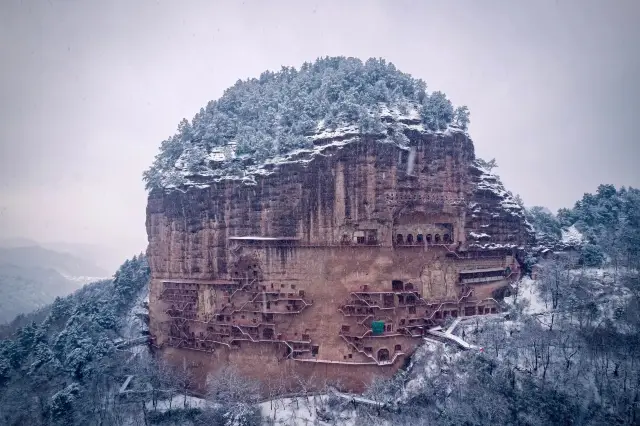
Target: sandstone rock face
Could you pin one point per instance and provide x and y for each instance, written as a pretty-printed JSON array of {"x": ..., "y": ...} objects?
[{"x": 329, "y": 270}]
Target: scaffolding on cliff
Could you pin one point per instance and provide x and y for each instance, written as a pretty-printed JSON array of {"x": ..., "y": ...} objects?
[{"x": 221, "y": 327}]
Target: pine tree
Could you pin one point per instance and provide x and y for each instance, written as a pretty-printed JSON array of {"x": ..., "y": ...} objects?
[
  {"x": 487, "y": 165},
  {"x": 461, "y": 117}
]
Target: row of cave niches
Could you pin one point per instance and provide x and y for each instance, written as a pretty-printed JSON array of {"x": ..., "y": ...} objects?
[
  {"x": 421, "y": 239},
  {"x": 370, "y": 237}
]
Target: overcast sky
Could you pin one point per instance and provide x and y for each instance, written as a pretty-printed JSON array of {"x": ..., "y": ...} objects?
[{"x": 89, "y": 89}]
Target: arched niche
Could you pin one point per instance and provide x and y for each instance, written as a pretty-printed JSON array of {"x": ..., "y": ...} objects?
[
  {"x": 417, "y": 223},
  {"x": 383, "y": 355}
]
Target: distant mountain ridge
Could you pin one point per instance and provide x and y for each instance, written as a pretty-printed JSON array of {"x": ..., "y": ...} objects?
[
  {"x": 63, "y": 263},
  {"x": 17, "y": 242},
  {"x": 106, "y": 257},
  {"x": 32, "y": 276},
  {"x": 23, "y": 290}
]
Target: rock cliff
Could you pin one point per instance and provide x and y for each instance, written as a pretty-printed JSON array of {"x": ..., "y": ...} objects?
[
  {"x": 328, "y": 261},
  {"x": 318, "y": 234}
]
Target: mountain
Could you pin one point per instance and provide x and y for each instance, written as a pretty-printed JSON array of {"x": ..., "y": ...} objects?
[
  {"x": 385, "y": 168},
  {"x": 39, "y": 257},
  {"x": 17, "y": 242},
  {"x": 105, "y": 257},
  {"x": 23, "y": 290},
  {"x": 32, "y": 276}
]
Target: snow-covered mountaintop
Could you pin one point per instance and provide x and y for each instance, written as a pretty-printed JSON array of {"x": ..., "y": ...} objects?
[
  {"x": 281, "y": 115},
  {"x": 324, "y": 139}
]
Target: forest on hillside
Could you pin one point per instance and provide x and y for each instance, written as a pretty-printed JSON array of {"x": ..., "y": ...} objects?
[
  {"x": 58, "y": 370},
  {"x": 609, "y": 221},
  {"x": 277, "y": 112}
]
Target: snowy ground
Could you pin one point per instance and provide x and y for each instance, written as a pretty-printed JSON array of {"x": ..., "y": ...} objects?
[
  {"x": 571, "y": 236},
  {"x": 430, "y": 361},
  {"x": 311, "y": 410},
  {"x": 601, "y": 287},
  {"x": 607, "y": 291},
  {"x": 178, "y": 402},
  {"x": 528, "y": 297},
  {"x": 133, "y": 326}
]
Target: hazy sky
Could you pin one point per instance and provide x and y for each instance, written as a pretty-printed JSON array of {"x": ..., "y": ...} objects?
[{"x": 89, "y": 89}]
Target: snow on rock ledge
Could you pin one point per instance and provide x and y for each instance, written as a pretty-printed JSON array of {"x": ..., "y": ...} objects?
[
  {"x": 571, "y": 236},
  {"x": 494, "y": 218},
  {"x": 396, "y": 121}
]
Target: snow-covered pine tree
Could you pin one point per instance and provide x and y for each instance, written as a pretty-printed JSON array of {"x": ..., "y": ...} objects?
[{"x": 461, "y": 117}]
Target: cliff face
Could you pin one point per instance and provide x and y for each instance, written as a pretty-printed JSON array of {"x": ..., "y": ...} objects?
[
  {"x": 331, "y": 264},
  {"x": 494, "y": 219}
]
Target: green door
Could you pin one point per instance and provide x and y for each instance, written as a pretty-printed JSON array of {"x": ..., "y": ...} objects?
[{"x": 377, "y": 327}]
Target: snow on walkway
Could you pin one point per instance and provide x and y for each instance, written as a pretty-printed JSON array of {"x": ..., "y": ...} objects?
[
  {"x": 360, "y": 399},
  {"x": 453, "y": 325},
  {"x": 451, "y": 337}
]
